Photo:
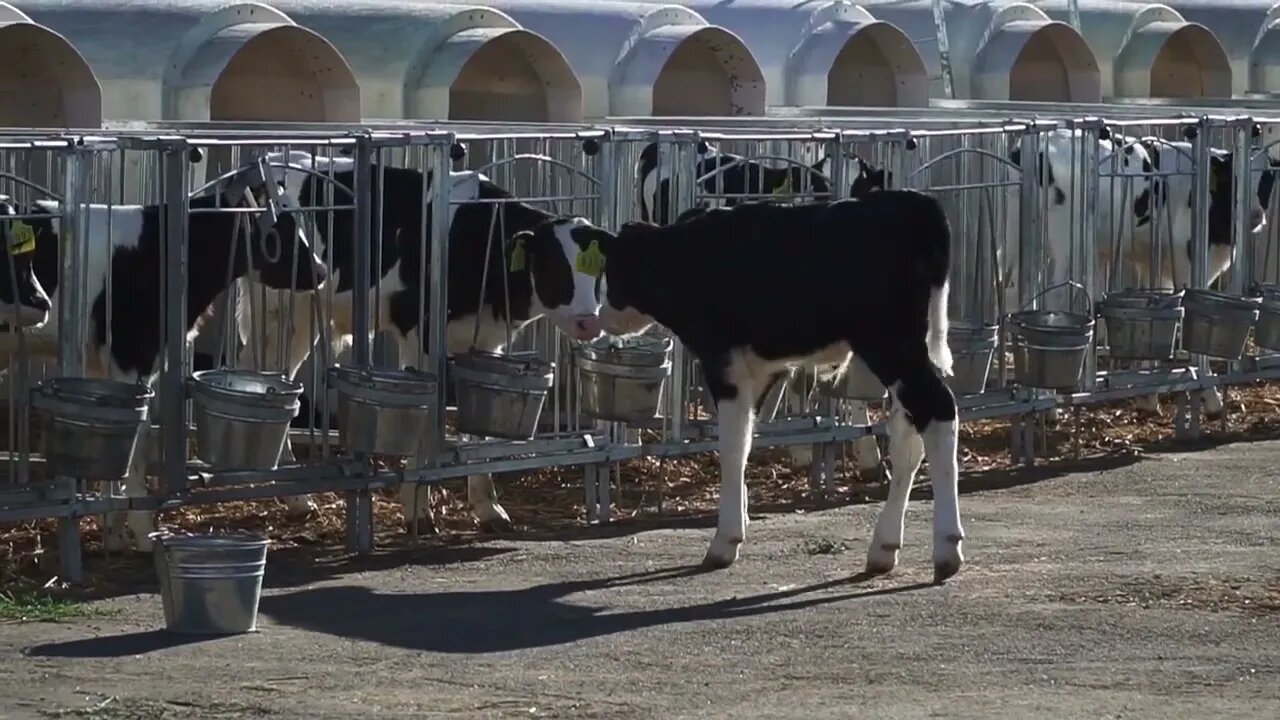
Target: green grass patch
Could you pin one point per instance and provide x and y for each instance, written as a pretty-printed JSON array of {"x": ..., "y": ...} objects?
[{"x": 41, "y": 606}]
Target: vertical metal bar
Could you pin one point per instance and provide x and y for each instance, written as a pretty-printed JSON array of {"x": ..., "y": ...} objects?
[
  {"x": 1073, "y": 12},
  {"x": 1089, "y": 168},
  {"x": 172, "y": 387},
  {"x": 74, "y": 252},
  {"x": 437, "y": 321},
  {"x": 359, "y": 503}
]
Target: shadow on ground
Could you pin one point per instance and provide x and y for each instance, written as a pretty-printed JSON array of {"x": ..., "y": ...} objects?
[
  {"x": 486, "y": 621},
  {"x": 291, "y": 567}
]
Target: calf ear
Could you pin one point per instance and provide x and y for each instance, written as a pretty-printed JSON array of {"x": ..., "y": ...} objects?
[
  {"x": 517, "y": 250},
  {"x": 819, "y": 165}
]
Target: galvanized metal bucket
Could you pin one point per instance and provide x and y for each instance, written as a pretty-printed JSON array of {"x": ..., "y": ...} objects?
[
  {"x": 623, "y": 381},
  {"x": 210, "y": 584},
  {"x": 1266, "y": 333},
  {"x": 94, "y": 425},
  {"x": 1049, "y": 348},
  {"x": 1142, "y": 324},
  {"x": 242, "y": 417},
  {"x": 857, "y": 383},
  {"x": 1217, "y": 324},
  {"x": 500, "y": 396},
  {"x": 381, "y": 411},
  {"x": 972, "y": 346}
]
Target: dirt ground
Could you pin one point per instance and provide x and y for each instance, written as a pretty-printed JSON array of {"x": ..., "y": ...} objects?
[{"x": 1128, "y": 586}]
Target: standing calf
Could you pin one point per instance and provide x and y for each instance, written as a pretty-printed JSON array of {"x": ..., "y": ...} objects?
[{"x": 757, "y": 287}]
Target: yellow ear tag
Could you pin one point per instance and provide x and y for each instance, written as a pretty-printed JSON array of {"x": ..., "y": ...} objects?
[
  {"x": 591, "y": 261},
  {"x": 22, "y": 239},
  {"x": 518, "y": 260}
]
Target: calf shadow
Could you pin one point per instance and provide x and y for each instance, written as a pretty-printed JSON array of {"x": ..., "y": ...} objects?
[{"x": 489, "y": 621}]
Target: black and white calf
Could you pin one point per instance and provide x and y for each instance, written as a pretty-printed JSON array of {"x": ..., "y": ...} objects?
[
  {"x": 23, "y": 301},
  {"x": 1146, "y": 184},
  {"x": 543, "y": 283},
  {"x": 755, "y": 288},
  {"x": 723, "y": 173},
  {"x": 124, "y": 244}
]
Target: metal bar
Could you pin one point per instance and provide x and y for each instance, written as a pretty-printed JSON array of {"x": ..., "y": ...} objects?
[{"x": 172, "y": 383}]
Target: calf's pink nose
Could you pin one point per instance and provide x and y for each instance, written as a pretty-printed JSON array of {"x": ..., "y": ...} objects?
[{"x": 587, "y": 327}]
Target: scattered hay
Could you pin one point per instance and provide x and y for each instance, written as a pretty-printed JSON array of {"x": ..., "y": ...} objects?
[{"x": 551, "y": 499}]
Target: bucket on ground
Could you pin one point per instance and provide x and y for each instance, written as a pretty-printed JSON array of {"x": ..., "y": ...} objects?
[
  {"x": 93, "y": 425},
  {"x": 1142, "y": 324},
  {"x": 382, "y": 411},
  {"x": 242, "y": 417},
  {"x": 500, "y": 396},
  {"x": 210, "y": 584},
  {"x": 1217, "y": 324},
  {"x": 972, "y": 347},
  {"x": 623, "y": 380}
]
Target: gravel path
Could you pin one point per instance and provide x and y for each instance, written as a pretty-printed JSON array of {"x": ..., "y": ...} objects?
[{"x": 1135, "y": 588}]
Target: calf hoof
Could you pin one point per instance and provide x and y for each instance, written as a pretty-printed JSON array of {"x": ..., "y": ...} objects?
[
  {"x": 947, "y": 559},
  {"x": 882, "y": 558},
  {"x": 722, "y": 553}
]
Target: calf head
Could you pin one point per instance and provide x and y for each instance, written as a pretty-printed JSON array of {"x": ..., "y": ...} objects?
[
  {"x": 1222, "y": 201},
  {"x": 869, "y": 179},
  {"x": 564, "y": 265},
  {"x": 618, "y": 311},
  {"x": 279, "y": 254},
  {"x": 23, "y": 302}
]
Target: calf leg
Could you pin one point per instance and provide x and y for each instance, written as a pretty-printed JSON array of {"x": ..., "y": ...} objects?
[
  {"x": 929, "y": 406},
  {"x": 1212, "y": 400},
  {"x": 119, "y": 526},
  {"x": 906, "y": 451},
  {"x": 415, "y": 503},
  {"x": 483, "y": 497},
  {"x": 736, "y": 416}
]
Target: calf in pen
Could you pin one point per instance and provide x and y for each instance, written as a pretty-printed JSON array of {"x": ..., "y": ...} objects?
[
  {"x": 538, "y": 283},
  {"x": 1156, "y": 189},
  {"x": 23, "y": 300},
  {"x": 758, "y": 287},
  {"x": 730, "y": 174},
  {"x": 123, "y": 295}
]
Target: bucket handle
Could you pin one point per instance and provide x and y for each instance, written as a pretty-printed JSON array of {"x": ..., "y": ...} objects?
[{"x": 1065, "y": 283}]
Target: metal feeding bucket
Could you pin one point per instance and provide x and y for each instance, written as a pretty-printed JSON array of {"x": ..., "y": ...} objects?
[
  {"x": 623, "y": 382},
  {"x": 1217, "y": 324},
  {"x": 500, "y": 396},
  {"x": 242, "y": 417},
  {"x": 1142, "y": 324},
  {"x": 972, "y": 346},
  {"x": 380, "y": 411},
  {"x": 1266, "y": 333},
  {"x": 210, "y": 584},
  {"x": 857, "y": 383},
  {"x": 1049, "y": 346},
  {"x": 94, "y": 425}
]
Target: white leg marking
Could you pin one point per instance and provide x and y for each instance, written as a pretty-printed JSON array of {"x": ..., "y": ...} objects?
[
  {"x": 940, "y": 440},
  {"x": 483, "y": 497},
  {"x": 906, "y": 450},
  {"x": 141, "y": 523},
  {"x": 1212, "y": 400},
  {"x": 736, "y": 420},
  {"x": 415, "y": 502}
]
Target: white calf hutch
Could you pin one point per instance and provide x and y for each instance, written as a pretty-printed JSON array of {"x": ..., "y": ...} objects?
[{"x": 47, "y": 83}]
